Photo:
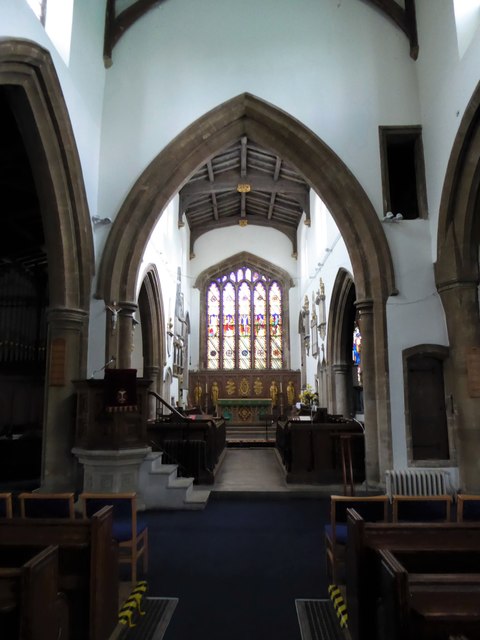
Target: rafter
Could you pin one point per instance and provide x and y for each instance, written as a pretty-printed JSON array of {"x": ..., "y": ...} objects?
[{"x": 405, "y": 19}]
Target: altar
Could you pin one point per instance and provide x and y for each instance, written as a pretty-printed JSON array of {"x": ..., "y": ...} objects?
[{"x": 245, "y": 411}]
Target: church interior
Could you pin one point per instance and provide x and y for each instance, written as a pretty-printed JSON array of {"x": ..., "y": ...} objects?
[{"x": 241, "y": 271}]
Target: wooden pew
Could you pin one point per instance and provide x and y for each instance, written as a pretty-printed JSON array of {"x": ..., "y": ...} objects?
[
  {"x": 363, "y": 577},
  {"x": 428, "y": 604},
  {"x": 31, "y": 607},
  {"x": 88, "y": 566},
  {"x": 311, "y": 451}
]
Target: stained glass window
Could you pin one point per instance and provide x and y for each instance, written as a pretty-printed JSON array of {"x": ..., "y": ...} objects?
[
  {"x": 275, "y": 299},
  {"x": 244, "y": 321},
  {"x": 356, "y": 354},
  {"x": 213, "y": 325}
]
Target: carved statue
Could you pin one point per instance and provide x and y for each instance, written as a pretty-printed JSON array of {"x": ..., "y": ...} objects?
[
  {"x": 214, "y": 393},
  {"x": 274, "y": 393},
  {"x": 290, "y": 393},
  {"x": 197, "y": 394}
]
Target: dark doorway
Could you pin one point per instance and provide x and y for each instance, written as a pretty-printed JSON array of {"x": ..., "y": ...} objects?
[{"x": 426, "y": 405}]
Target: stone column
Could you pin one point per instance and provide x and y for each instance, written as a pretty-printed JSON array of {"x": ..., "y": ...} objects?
[
  {"x": 460, "y": 301},
  {"x": 365, "y": 309},
  {"x": 343, "y": 381},
  {"x": 155, "y": 374},
  {"x": 125, "y": 334},
  {"x": 66, "y": 361}
]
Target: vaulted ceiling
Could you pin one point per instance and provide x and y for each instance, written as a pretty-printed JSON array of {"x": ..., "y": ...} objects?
[
  {"x": 122, "y": 14},
  {"x": 244, "y": 184}
]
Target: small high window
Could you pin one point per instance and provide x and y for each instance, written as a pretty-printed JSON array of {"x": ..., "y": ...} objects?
[
  {"x": 57, "y": 18},
  {"x": 39, "y": 8},
  {"x": 403, "y": 172}
]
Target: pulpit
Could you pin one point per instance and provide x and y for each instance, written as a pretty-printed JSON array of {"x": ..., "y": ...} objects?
[
  {"x": 104, "y": 422},
  {"x": 111, "y": 430}
]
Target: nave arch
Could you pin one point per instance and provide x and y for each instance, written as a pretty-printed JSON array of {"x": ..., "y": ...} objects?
[
  {"x": 341, "y": 316},
  {"x": 329, "y": 177},
  {"x": 28, "y": 74},
  {"x": 457, "y": 280},
  {"x": 152, "y": 318}
]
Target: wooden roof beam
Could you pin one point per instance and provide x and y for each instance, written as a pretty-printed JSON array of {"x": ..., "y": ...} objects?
[
  {"x": 405, "y": 19},
  {"x": 117, "y": 25}
]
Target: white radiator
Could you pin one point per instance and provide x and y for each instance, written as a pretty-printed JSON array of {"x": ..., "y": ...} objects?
[{"x": 416, "y": 482}]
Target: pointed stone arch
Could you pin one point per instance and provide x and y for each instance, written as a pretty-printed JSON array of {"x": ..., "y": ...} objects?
[
  {"x": 338, "y": 310},
  {"x": 152, "y": 316},
  {"x": 457, "y": 279},
  {"x": 28, "y": 75},
  {"x": 321, "y": 167}
]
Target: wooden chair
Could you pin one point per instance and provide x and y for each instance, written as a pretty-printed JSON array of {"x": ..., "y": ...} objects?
[
  {"x": 468, "y": 507},
  {"x": 47, "y": 505},
  {"x": 371, "y": 508},
  {"x": 129, "y": 528},
  {"x": 6, "y": 510},
  {"x": 421, "y": 508}
]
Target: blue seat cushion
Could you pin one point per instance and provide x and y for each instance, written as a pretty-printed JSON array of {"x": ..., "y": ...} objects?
[
  {"x": 122, "y": 528},
  {"x": 340, "y": 533}
]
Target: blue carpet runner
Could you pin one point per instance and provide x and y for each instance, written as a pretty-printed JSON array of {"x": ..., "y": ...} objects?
[{"x": 318, "y": 620}]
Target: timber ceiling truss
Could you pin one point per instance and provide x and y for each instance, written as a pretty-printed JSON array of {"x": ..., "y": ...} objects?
[
  {"x": 118, "y": 20},
  {"x": 245, "y": 184}
]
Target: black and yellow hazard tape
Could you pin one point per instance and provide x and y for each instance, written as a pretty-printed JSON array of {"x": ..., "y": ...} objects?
[
  {"x": 339, "y": 605},
  {"x": 132, "y": 607}
]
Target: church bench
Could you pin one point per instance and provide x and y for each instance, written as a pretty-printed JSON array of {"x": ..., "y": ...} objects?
[
  {"x": 87, "y": 566},
  {"x": 365, "y": 540},
  {"x": 427, "y": 605},
  {"x": 311, "y": 451},
  {"x": 31, "y": 607}
]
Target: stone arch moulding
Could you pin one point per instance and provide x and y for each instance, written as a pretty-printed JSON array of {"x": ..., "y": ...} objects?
[
  {"x": 336, "y": 317},
  {"x": 150, "y": 304},
  {"x": 27, "y": 69},
  {"x": 322, "y": 168},
  {"x": 236, "y": 262},
  {"x": 457, "y": 278},
  {"x": 33, "y": 90}
]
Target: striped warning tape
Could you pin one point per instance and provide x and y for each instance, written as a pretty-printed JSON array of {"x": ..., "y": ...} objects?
[
  {"x": 339, "y": 605},
  {"x": 132, "y": 607}
]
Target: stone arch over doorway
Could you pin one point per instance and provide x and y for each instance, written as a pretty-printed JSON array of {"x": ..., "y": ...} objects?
[
  {"x": 457, "y": 279},
  {"x": 29, "y": 77},
  {"x": 329, "y": 177}
]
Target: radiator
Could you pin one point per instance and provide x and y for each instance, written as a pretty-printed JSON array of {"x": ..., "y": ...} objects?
[{"x": 416, "y": 482}]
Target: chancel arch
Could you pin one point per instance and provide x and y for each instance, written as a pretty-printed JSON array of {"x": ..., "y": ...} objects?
[
  {"x": 30, "y": 88},
  {"x": 457, "y": 280},
  {"x": 348, "y": 203}
]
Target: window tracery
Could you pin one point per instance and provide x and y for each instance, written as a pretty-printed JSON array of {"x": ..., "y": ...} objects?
[{"x": 244, "y": 320}]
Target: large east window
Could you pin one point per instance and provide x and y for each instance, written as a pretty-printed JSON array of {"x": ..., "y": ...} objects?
[{"x": 244, "y": 321}]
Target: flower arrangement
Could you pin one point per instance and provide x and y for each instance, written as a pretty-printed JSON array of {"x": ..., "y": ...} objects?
[{"x": 308, "y": 396}]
